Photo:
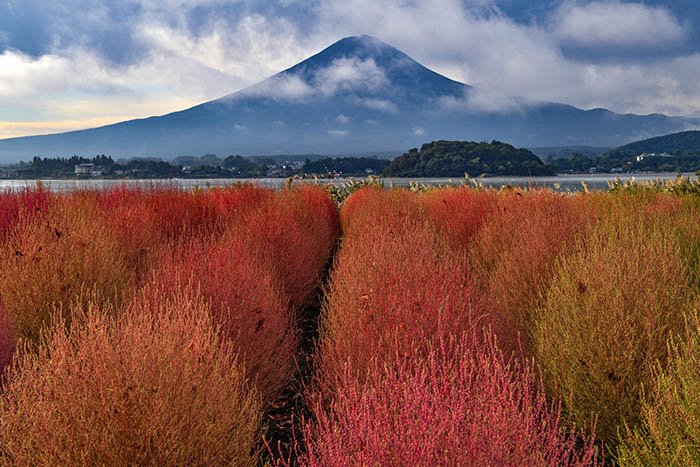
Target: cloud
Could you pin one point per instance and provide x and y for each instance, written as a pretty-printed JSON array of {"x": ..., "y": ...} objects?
[
  {"x": 382, "y": 105},
  {"x": 285, "y": 87},
  {"x": 78, "y": 60},
  {"x": 480, "y": 101},
  {"x": 418, "y": 131},
  {"x": 342, "y": 119},
  {"x": 343, "y": 75},
  {"x": 350, "y": 74},
  {"x": 335, "y": 132},
  {"x": 239, "y": 127},
  {"x": 617, "y": 24}
]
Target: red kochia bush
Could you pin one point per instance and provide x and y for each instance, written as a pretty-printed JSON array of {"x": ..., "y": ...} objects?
[
  {"x": 154, "y": 386},
  {"x": 448, "y": 408},
  {"x": 16, "y": 206},
  {"x": 231, "y": 203},
  {"x": 395, "y": 288},
  {"x": 246, "y": 301},
  {"x": 296, "y": 230},
  {"x": 373, "y": 205},
  {"x": 459, "y": 213},
  {"x": 514, "y": 255}
]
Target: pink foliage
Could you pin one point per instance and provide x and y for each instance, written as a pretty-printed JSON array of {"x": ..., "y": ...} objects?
[{"x": 450, "y": 408}]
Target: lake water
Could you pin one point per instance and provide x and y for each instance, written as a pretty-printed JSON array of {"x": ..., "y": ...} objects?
[{"x": 558, "y": 183}]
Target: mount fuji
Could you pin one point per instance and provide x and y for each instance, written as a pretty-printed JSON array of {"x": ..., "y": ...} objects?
[{"x": 360, "y": 95}]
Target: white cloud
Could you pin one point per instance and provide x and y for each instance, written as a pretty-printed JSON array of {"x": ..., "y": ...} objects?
[
  {"x": 285, "y": 87},
  {"x": 350, "y": 74},
  {"x": 335, "y": 132},
  {"x": 418, "y": 131},
  {"x": 342, "y": 119},
  {"x": 382, "y": 105},
  {"x": 182, "y": 65},
  {"x": 616, "y": 24},
  {"x": 239, "y": 127},
  {"x": 480, "y": 101}
]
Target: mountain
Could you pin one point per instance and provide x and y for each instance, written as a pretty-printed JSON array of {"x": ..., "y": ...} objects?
[
  {"x": 359, "y": 95},
  {"x": 683, "y": 143}
]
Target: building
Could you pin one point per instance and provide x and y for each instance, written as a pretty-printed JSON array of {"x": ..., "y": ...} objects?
[
  {"x": 91, "y": 170},
  {"x": 647, "y": 155}
]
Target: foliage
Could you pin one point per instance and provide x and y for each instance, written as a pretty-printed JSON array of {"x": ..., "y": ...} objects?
[
  {"x": 670, "y": 429},
  {"x": 514, "y": 254},
  {"x": 686, "y": 142},
  {"x": 246, "y": 302},
  {"x": 50, "y": 263},
  {"x": 455, "y": 158},
  {"x": 446, "y": 407},
  {"x": 606, "y": 317},
  {"x": 154, "y": 385},
  {"x": 345, "y": 166}
]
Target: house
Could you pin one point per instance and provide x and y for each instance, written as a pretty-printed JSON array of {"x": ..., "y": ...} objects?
[
  {"x": 91, "y": 170},
  {"x": 646, "y": 155}
]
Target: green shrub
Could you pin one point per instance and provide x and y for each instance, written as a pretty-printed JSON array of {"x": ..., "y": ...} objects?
[
  {"x": 670, "y": 430},
  {"x": 606, "y": 319}
]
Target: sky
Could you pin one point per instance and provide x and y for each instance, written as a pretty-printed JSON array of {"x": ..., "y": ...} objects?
[{"x": 71, "y": 64}]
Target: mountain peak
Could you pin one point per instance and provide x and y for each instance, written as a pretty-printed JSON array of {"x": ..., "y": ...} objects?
[
  {"x": 363, "y": 47},
  {"x": 373, "y": 54}
]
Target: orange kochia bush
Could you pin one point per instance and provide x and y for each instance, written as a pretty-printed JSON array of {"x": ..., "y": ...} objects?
[
  {"x": 153, "y": 385},
  {"x": 50, "y": 262}
]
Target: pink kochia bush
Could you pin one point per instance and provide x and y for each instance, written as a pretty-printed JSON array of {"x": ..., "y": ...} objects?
[
  {"x": 394, "y": 289},
  {"x": 153, "y": 385},
  {"x": 453, "y": 407}
]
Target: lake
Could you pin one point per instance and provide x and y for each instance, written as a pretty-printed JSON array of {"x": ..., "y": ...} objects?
[{"x": 558, "y": 183}]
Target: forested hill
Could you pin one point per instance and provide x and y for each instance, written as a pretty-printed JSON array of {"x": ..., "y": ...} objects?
[
  {"x": 457, "y": 158},
  {"x": 684, "y": 143}
]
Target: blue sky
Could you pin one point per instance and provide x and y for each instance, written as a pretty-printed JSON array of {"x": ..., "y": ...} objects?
[{"x": 68, "y": 64}]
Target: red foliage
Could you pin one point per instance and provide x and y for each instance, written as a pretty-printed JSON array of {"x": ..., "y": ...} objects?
[
  {"x": 459, "y": 213},
  {"x": 514, "y": 255},
  {"x": 23, "y": 205},
  {"x": 395, "y": 289},
  {"x": 447, "y": 408},
  {"x": 296, "y": 230},
  {"x": 246, "y": 302},
  {"x": 372, "y": 205}
]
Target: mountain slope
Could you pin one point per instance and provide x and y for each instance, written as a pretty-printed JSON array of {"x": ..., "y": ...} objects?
[
  {"x": 358, "y": 95},
  {"x": 686, "y": 142}
]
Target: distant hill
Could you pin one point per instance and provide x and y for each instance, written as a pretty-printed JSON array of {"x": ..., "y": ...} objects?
[
  {"x": 346, "y": 166},
  {"x": 358, "y": 96},
  {"x": 558, "y": 152},
  {"x": 455, "y": 158},
  {"x": 677, "y": 144}
]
